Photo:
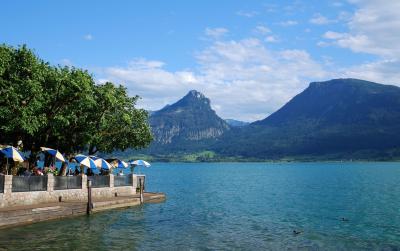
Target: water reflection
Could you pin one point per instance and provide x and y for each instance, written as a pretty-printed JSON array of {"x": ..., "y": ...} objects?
[{"x": 248, "y": 206}]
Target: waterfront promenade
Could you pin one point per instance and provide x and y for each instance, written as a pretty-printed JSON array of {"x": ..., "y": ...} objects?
[
  {"x": 27, "y": 214},
  {"x": 25, "y": 200}
]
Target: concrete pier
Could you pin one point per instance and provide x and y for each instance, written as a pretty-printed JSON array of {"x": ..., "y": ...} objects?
[
  {"x": 25, "y": 200},
  {"x": 28, "y": 214}
]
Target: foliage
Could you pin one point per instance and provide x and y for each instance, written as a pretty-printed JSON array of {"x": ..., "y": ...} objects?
[
  {"x": 118, "y": 124},
  {"x": 63, "y": 108}
]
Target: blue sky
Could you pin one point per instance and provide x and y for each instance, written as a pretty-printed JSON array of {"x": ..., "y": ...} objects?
[{"x": 248, "y": 57}]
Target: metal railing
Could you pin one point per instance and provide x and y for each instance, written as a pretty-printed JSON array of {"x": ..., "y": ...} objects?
[
  {"x": 29, "y": 183},
  {"x": 120, "y": 181},
  {"x": 100, "y": 181},
  {"x": 2, "y": 184},
  {"x": 67, "y": 182}
]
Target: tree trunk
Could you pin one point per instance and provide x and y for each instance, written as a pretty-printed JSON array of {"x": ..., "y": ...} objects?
[{"x": 92, "y": 150}]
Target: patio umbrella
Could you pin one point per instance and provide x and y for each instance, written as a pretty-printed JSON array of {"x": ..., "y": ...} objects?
[
  {"x": 101, "y": 163},
  {"x": 85, "y": 161},
  {"x": 140, "y": 162},
  {"x": 53, "y": 152},
  {"x": 117, "y": 163},
  {"x": 11, "y": 152}
]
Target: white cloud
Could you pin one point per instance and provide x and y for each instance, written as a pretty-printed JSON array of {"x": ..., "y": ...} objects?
[
  {"x": 88, "y": 37},
  {"x": 374, "y": 29},
  {"x": 323, "y": 44},
  {"x": 289, "y": 23},
  {"x": 333, "y": 35},
  {"x": 248, "y": 14},
  {"x": 243, "y": 78},
  {"x": 262, "y": 29},
  {"x": 151, "y": 81},
  {"x": 216, "y": 33},
  {"x": 247, "y": 80},
  {"x": 271, "y": 39},
  {"x": 319, "y": 19},
  {"x": 381, "y": 71}
]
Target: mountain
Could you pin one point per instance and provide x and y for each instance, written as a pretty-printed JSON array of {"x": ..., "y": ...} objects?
[
  {"x": 332, "y": 120},
  {"x": 341, "y": 101},
  {"x": 236, "y": 123},
  {"x": 336, "y": 119},
  {"x": 187, "y": 125}
]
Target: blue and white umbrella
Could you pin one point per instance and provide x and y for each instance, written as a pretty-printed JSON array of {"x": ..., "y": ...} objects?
[
  {"x": 101, "y": 163},
  {"x": 140, "y": 162},
  {"x": 118, "y": 163},
  {"x": 11, "y": 152},
  {"x": 53, "y": 152},
  {"x": 85, "y": 161}
]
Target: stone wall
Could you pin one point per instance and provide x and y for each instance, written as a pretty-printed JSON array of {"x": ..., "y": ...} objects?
[{"x": 10, "y": 199}]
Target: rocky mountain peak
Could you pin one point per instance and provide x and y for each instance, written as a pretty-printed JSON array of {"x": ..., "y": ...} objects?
[
  {"x": 194, "y": 97},
  {"x": 189, "y": 119}
]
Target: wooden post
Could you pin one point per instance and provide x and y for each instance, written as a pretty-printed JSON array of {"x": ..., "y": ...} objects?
[
  {"x": 141, "y": 187},
  {"x": 89, "y": 204}
]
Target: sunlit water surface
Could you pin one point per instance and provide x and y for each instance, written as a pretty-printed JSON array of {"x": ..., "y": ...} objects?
[{"x": 246, "y": 206}]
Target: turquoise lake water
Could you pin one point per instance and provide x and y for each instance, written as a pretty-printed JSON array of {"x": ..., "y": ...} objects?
[{"x": 240, "y": 206}]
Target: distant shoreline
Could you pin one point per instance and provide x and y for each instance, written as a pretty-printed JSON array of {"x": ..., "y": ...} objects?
[{"x": 240, "y": 160}]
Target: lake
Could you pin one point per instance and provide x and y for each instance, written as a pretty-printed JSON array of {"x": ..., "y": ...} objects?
[{"x": 246, "y": 206}]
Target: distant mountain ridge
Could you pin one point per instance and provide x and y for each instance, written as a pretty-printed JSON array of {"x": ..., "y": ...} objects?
[
  {"x": 338, "y": 119},
  {"x": 342, "y": 101},
  {"x": 332, "y": 120}
]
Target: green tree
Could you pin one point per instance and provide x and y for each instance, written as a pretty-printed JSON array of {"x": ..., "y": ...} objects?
[
  {"x": 21, "y": 93},
  {"x": 117, "y": 123},
  {"x": 63, "y": 108}
]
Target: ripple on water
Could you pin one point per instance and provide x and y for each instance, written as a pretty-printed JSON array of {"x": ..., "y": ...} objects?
[{"x": 252, "y": 206}]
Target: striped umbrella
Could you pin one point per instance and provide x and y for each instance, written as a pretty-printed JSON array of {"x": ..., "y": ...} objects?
[
  {"x": 101, "y": 163},
  {"x": 11, "y": 152},
  {"x": 53, "y": 152},
  {"x": 117, "y": 163},
  {"x": 140, "y": 162},
  {"x": 85, "y": 161}
]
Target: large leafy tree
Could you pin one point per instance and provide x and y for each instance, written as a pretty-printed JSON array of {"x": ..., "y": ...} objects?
[
  {"x": 63, "y": 108},
  {"x": 21, "y": 93},
  {"x": 117, "y": 123}
]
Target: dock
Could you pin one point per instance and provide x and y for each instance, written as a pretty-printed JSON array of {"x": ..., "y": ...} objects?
[{"x": 28, "y": 214}]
